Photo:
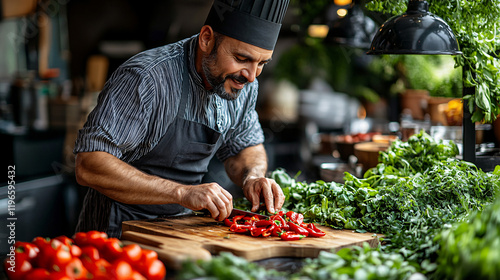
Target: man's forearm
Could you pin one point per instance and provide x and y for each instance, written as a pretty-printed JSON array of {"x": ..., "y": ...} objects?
[
  {"x": 250, "y": 162},
  {"x": 123, "y": 182}
]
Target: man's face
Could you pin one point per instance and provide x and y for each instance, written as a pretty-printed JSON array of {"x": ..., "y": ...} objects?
[{"x": 231, "y": 64}]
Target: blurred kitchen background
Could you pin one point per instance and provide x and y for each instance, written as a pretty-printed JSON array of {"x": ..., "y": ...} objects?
[{"x": 326, "y": 107}]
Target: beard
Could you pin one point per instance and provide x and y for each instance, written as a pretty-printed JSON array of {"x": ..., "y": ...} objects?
[{"x": 217, "y": 81}]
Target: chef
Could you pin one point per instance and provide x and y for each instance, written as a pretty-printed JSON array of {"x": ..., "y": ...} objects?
[{"x": 166, "y": 112}]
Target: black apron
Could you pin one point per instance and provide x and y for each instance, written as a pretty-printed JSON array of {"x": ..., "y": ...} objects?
[{"x": 182, "y": 155}]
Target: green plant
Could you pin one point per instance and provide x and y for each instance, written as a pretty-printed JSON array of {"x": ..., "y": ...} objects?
[
  {"x": 435, "y": 73},
  {"x": 476, "y": 25}
]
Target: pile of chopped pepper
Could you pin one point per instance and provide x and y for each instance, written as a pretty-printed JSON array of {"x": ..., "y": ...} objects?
[{"x": 289, "y": 226}]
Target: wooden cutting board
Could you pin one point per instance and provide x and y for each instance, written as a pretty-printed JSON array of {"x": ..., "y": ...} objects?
[{"x": 197, "y": 237}]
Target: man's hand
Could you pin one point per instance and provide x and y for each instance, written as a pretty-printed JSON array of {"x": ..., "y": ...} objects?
[
  {"x": 256, "y": 188},
  {"x": 208, "y": 196}
]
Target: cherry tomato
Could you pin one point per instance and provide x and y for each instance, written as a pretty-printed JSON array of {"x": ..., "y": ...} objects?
[
  {"x": 131, "y": 253},
  {"x": 60, "y": 275},
  {"x": 28, "y": 248},
  {"x": 38, "y": 274},
  {"x": 76, "y": 270},
  {"x": 41, "y": 242},
  {"x": 147, "y": 257},
  {"x": 112, "y": 249},
  {"x": 91, "y": 238},
  {"x": 70, "y": 243},
  {"x": 120, "y": 269},
  {"x": 97, "y": 238},
  {"x": 90, "y": 252},
  {"x": 155, "y": 271},
  {"x": 96, "y": 267},
  {"x": 65, "y": 240},
  {"x": 18, "y": 268},
  {"x": 81, "y": 239},
  {"x": 137, "y": 276}
]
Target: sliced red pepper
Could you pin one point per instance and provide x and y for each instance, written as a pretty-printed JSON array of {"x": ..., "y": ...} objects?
[
  {"x": 298, "y": 229},
  {"x": 278, "y": 218},
  {"x": 291, "y": 236},
  {"x": 240, "y": 228},
  {"x": 257, "y": 231},
  {"x": 295, "y": 217},
  {"x": 229, "y": 222},
  {"x": 314, "y": 231},
  {"x": 263, "y": 223},
  {"x": 277, "y": 231},
  {"x": 269, "y": 230}
]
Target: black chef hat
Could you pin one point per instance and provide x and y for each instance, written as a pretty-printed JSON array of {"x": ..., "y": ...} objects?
[{"x": 256, "y": 22}]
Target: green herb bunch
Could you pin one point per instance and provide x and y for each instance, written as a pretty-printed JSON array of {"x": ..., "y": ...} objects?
[
  {"x": 471, "y": 249},
  {"x": 417, "y": 190},
  {"x": 226, "y": 266},
  {"x": 476, "y": 25}
]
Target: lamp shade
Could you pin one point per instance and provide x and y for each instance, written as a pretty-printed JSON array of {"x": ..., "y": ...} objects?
[
  {"x": 354, "y": 30},
  {"x": 415, "y": 32}
]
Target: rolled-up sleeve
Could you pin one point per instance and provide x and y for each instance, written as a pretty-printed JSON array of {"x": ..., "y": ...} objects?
[{"x": 120, "y": 120}]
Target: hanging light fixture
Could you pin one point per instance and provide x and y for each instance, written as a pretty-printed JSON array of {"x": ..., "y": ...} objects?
[
  {"x": 415, "y": 32},
  {"x": 353, "y": 29}
]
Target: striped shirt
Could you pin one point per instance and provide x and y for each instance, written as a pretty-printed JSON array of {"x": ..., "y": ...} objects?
[{"x": 140, "y": 101}]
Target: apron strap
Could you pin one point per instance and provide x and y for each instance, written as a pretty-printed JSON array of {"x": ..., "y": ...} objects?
[{"x": 185, "y": 81}]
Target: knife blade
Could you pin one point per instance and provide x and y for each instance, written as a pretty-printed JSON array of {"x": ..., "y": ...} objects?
[{"x": 237, "y": 212}]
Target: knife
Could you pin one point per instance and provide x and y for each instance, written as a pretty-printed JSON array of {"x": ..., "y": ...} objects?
[{"x": 237, "y": 212}]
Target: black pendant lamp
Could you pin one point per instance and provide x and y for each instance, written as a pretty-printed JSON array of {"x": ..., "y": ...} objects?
[
  {"x": 354, "y": 30},
  {"x": 415, "y": 32}
]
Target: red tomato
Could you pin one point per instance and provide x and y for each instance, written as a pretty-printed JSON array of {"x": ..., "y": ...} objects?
[
  {"x": 132, "y": 253},
  {"x": 59, "y": 258},
  {"x": 60, "y": 275},
  {"x": 30, "y": 249},
  {"x": 75, "y": 251},
  {"x": 90, "y": 252},
  {"x": 76, "y": 270},
  {"x": 41, "y": 242},
  {"x": 120, "y": 269},
  {"x": 38, "y": 274},
  {"x": 137, "y": 276},
  {"x": 92, "y": 238},
  {"x": 112, "y": 249},
  {"x": 155, "y": 271},
  {"x": 19, "y": 267},
  {"x": 81, "y": 239},
  {"x": 96, "y": 267},
  {"x": 65, "y": 240},
  {"x": 148, "y": 256},
  {"x": 97, "y": 238}
]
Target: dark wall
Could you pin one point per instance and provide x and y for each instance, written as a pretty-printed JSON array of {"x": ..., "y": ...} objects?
[{"x": 151, "y": 22}]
